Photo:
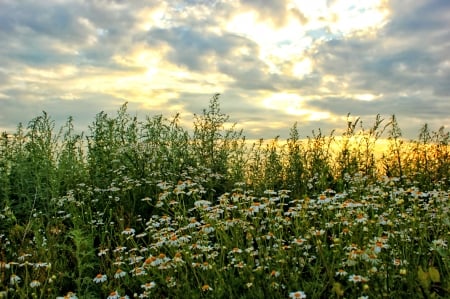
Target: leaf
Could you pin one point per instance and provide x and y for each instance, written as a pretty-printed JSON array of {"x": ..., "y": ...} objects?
[
  {"x": 424, "y": 278},
  {"x": 337, "y": 289},
  {"x": 434, "y": 274}
]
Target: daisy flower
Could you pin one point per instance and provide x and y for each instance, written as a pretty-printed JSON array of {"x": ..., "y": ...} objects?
[
  {"x": 100, "y": 278},
  {"x": 341, "y": 272},
  {"x": 69, "y": 295},
  {"x": 120, "y": 273},
  {"x": 128, "y": 231},
  {"x": 114, "y": 295},
  {"x": 357, "y": 278},
  {"x": 206, "y": 288},
  {"x": 148, "y": 286},
  {"x": 14, "y": 279},
  {"x": 34, "y": 283},
  {"x": 297, "y": 295}
]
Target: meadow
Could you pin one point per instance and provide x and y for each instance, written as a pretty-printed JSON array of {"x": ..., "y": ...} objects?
[{"x": 149, "y": 209}]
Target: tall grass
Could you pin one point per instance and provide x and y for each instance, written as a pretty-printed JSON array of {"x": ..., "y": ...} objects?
[{"x": 149, "y": 209}]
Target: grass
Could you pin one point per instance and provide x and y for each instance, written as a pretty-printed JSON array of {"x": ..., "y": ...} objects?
[{"x": 149, "y": 209}]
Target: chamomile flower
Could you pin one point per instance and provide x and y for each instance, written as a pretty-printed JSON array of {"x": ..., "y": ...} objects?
[
  {"x": 69, "y": 295},
  {"x": 103, "y": 252},
  {"x": 297, "y": 295},
  {"x": 100, "y": 278},
  {"x": 113, "y": 295},
  {"x": 13, "y": 279},
  {"x": 119, "y": 273},
  {"x": 35, "y": 283},
  {"x": 128, "y": 231},
  {"x": 148, "y": 286},
  {"x": 206, "y": 288},
  {"x": 357, "y": 278},
  {"x": 341, "y": 272}
]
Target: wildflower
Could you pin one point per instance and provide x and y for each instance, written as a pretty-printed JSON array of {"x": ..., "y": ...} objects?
[
  {"x": 297, "y": 295},
  {"x": 150, "y": 260},
  {"x": 341, "y": 272},
  {"x": 205, "y": 266},
  {"x": 323, "y": 199},
  {"x": 26, "y": 263},
  {"x": 361, "y": 218},
  {"x": 128, "y": 231},
  {"x": 239, "y": 265},
  {"x": 100, "y": 278},
  {"x": 372, "y": 258},
  {"x": 23, "y": 257},
  {"x": 171, "y": 281},
  {"x": 206, "y": 288},
  {"x": 178, "y": 258},
  {"x": 120, "y": 273},
  {"x": 141, "y": 235},
  {"x": 207, "y": 228},
  {"x": 120, "y": 249},
  {"x": 256, "y": 207},
  {"x": 41, "y": 265},
  {"x": 138, "y": 271},
  {"x": 14, "y": 279},
  {"x": 299, "y": 241},
  {"x": 156, "y": 261},
  {"x": 202, "y": 204},
  {"x": 193, "y": 223},
  {"x": 34, "y": 283},
  {"x": 269, "y": 236},
  {"x": 135, "y": 259},
  {"x": 399, "y": 262},
  {"x": 114, "y": 295},
  {"x": 102, "y": 252},
  {"x": 318, "y": 233},
  {"x": 69, "y": 295},
  {"x": 118, "y": 261},
  {"x": 275, "y": 273},
  {"x": 236, "y": 250},
  {"x": 148, "y": 286},
  {"x": 347, "y": 231},
  {"x": 357, "y": 278},
  {"x": 380, "y": 245}
]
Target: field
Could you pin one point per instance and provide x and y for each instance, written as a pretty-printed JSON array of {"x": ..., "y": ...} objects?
[{"x": 149, "y": 209}]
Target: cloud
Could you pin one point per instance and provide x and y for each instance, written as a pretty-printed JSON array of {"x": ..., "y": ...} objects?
[
  {"x": 192, "y": 47},
  {"x": 274, "y": 11},
  {"x": 274, "y": 62}
]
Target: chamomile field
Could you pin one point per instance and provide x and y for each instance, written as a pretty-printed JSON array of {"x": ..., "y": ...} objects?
[{"x": 149, "y": 209}]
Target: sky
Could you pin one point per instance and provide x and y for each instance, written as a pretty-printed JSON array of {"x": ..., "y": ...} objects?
[{"x": 274, "y": 62}]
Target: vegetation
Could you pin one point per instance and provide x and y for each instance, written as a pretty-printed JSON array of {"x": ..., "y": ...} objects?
[{"x": 149, "y": 209}]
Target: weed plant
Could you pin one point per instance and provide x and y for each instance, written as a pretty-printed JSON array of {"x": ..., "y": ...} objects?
[{"x": 149, "y": 209}]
